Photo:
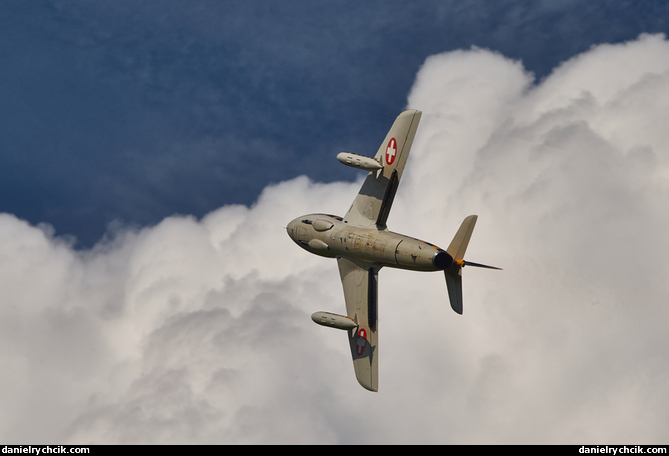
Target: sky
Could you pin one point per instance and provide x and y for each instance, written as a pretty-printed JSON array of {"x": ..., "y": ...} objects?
[{"x": 153, "y": 152}]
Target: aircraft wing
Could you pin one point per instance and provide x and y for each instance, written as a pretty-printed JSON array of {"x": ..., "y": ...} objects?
[
  {"x": 360, "y": 283},
  {"x": 372, "y": 205}
]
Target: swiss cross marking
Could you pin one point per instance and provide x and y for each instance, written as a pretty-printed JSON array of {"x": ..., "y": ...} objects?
[
  {"x": 391, "y": 151},
  {"x": 361, "y": 343}
]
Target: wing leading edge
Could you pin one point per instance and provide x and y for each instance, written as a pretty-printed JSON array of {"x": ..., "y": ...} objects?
[{"x": 360, "y": 282}]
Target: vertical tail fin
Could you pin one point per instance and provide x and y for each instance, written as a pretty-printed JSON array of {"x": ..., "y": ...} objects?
[
  {"x": 457, "y": 250},
  {"x": 461, "y": 240},
  {"x": 454, "y": 285}
]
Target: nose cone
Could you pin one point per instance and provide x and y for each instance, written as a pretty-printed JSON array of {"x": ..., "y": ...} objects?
[{"x": 290, "y": 228}]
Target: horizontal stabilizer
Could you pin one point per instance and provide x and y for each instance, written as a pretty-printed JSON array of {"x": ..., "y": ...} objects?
[{"x": 479, "y": 265}]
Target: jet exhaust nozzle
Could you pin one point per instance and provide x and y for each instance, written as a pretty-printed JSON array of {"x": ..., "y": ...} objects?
[
  {"x": 442, "y": 260},
  {"x": 333, "y": 320}
]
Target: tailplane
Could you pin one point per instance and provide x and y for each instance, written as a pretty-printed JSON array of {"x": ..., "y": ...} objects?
[{"x": 457, "y": 251}]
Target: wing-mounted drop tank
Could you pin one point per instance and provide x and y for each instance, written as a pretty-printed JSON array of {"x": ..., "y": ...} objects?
[
  {"x": 333, "y": 320},
  {"x": 359, "y": 161}
]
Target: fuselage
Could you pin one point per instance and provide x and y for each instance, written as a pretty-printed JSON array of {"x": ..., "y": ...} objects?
[{"x": 330, "y": 236}]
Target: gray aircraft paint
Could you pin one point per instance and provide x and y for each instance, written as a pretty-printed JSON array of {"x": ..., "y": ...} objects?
[{"x": 362, "y": 245}]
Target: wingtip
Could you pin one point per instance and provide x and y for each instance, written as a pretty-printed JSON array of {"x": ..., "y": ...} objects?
[{"x": 367, "y": 379}]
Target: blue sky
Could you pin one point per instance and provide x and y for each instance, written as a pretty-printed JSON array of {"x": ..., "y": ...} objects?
[
  {"x": 152, "y": 153},
  {"x": 133, "y": 111}
]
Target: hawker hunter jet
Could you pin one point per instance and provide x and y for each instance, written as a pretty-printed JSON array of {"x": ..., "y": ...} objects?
[{"x": 362, "y": 245}]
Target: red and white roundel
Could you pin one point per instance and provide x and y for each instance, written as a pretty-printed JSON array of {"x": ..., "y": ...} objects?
[
  {"x": 391, "y": 151},
  {"x": 361, "y": 342}
]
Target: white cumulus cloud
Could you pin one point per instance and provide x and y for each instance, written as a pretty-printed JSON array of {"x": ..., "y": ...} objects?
[{"x": 198, "y": 331}]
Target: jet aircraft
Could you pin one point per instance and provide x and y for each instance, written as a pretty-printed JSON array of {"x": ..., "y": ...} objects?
[{"x": 362, "y": 245}]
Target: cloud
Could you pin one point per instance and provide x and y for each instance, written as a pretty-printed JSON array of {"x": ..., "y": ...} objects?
[{"x": 198, "y": 330}]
